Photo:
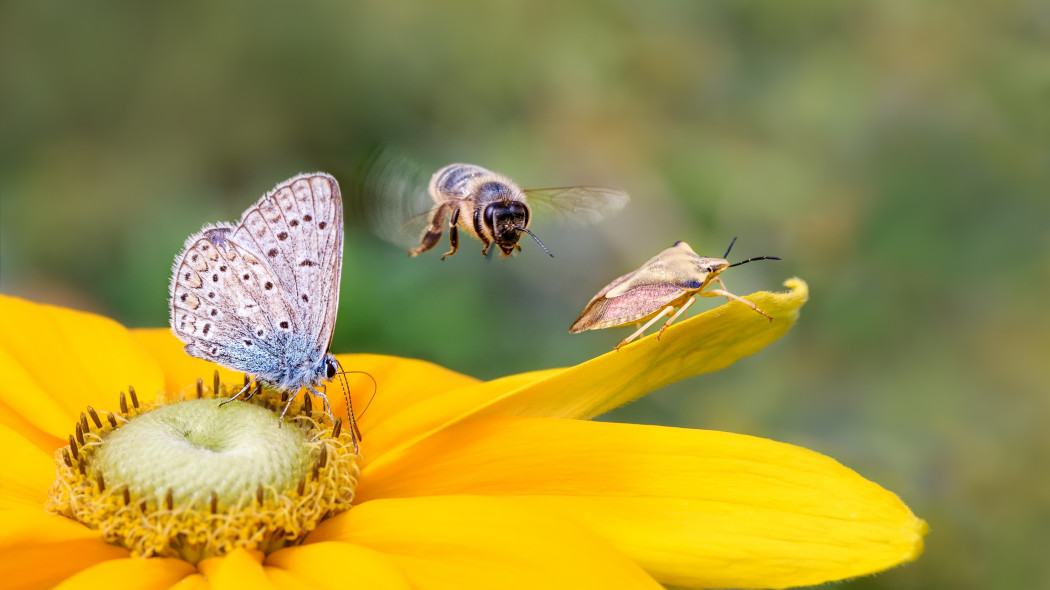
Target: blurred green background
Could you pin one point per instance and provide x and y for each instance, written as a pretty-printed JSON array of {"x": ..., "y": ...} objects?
[{"x": 896, "y": 154}]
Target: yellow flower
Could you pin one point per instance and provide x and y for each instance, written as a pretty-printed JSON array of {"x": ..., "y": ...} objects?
[{"x": 464, "y": 484}]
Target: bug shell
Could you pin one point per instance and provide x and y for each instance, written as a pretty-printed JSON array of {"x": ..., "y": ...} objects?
[{"x": 669, "y": 278}]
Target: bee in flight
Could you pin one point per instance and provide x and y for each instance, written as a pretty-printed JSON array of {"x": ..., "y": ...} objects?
[{"x": 485, "y": 205}]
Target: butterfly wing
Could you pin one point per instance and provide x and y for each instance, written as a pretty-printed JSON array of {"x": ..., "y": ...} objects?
[
  {"x": 297, "y": 228},
  {"x": 240, "y": 294}
]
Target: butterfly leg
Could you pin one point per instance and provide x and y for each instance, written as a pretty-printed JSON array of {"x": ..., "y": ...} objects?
[
  {"x": 327, "y": 408},
  {"x": 680, "y": 311},
  {"x": 246, "y": 387},
  {"x": 453, "y": 234},
  {"x": 666, "y": 311},
  {"x": 432, "y": 233},
  {"x": 722, "y": 292}
]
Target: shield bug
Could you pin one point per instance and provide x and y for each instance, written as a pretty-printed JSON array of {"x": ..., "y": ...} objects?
[{"x": 671, "y": 279}]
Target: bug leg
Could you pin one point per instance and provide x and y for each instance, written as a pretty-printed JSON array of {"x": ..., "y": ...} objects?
[
  {"x": 666, "y": 311},
  {"x": 678, "y": 313},
  {"x": 453, "y": 235},
  {"x": 722, "y": 292},
  {"x": 432, "y": 233}
]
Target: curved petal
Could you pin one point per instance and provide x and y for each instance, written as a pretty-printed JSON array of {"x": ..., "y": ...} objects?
[
  {"x": 462, "y": 542},
  {"x": 241, "y": 568},
  {"x": 336, "y": 566},
  {"x": 31, "y": 539},
  {"x": 130, "y": 574},
  {"x": 708, "y": 342},
  {"x": 397, "y": 379},
  {"x": 96, "y": 358},
  {"x": 696, "y": 508},
  {"x": 28, "y": 470},
  {"x": 181, "y": 370}
]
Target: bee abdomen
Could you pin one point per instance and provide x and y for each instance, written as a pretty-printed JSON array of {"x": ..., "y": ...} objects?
[{"x": 453, "y": 180}]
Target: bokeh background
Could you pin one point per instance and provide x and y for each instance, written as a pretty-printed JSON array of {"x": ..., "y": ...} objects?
[{"x": 896, "y": 154}]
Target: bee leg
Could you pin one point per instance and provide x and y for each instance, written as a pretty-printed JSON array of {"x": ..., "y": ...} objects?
[
  {"x": 722, "y": 292},
  {"x": 680, "y": 311},
  {"x": 453, "y": 235},
  {"x": 432, "y": 233},
  {"x": 666, "y": 311}
]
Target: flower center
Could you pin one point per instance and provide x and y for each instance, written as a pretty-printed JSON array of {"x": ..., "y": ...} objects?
[{"x": 186, "y": 477}]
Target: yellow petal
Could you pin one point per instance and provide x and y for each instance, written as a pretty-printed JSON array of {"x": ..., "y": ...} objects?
[
  {"x": 708, "y": 342},
  {"x": 695, "y": 508},
  {"x": 65, "y": 360},
  {"x": 193, "y": 582},
  {"x": 337, "y": 566},
  {"x": 40, "y": 550},
  {"x": 398, "y": 379},
  {"x": 28, "y": 471},
  {"x": 241, "y": 568},
  {"x": 129, "y": 574},
  {"x": 181, "y": 370},
  {"x": 26, "y": 408},
  {"x": 462, "y": 542},
  {"x": 429, "y": 413}
]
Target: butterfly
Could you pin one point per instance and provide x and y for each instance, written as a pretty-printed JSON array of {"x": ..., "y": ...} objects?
[{"x": 260, "y": 296}]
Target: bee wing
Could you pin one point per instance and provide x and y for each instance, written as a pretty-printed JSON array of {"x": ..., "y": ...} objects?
[
  {"x": 578, "y": 205},
  {"x": 392, "y": 197}
]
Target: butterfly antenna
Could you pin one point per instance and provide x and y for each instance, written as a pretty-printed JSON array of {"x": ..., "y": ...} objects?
[
  {"x": 355, "y": 432},
  {"x": 537, "y": 240}
]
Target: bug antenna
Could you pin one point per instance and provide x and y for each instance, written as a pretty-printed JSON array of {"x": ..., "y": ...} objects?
[
  {"x": 754, "y": 259},
  {"x": 726, "y": 255},
  {"x": 355, "y": 432},
  {"x": 537, "y": 240}
]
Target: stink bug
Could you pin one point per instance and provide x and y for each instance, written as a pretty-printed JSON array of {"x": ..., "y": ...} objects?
[{"x": 673, "y": 278}]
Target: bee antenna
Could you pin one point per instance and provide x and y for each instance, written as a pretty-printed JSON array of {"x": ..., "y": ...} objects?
[
  {"x": 754, "y": 259},
  {"x": 537, "y": 240}
]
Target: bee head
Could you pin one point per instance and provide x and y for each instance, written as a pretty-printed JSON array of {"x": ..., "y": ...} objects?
[{"x": 506, "y": 220}]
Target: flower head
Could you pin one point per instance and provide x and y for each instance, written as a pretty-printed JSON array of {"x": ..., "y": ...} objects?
[{"x": 459, "y": 483}]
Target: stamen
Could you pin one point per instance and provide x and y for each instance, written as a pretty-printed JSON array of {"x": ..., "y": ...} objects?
[
  {"x": 128, "y": 509},
  {"x": 215, "y": 384},
  {"x": 94, "y": 417}
]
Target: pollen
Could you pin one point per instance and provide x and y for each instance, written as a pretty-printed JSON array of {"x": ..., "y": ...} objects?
[{"x": 183, "y": 477}]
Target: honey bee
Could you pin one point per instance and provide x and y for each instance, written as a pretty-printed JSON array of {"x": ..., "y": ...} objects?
[
  {"x": 673, "y": 278},
  {"x": 485, "y": 205}
]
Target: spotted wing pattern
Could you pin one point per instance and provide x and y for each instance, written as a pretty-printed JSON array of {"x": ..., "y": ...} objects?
[{"x": 261, "y": 296}]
